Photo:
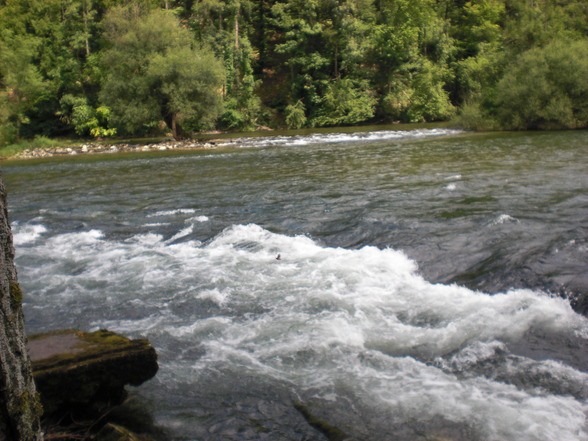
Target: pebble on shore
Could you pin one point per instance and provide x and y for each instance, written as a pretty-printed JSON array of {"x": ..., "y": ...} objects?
[{"x": 115, "y": 148}]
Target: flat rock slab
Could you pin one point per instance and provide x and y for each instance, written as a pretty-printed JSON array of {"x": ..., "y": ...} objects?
[
  {"x": 86, "y": 372},
  {"x": 50, "y": 345}
]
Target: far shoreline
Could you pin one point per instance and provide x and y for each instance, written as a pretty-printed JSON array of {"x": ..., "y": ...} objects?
[
  {"x": 93, "y": 148},
  {"x": 201, "y": 141}
]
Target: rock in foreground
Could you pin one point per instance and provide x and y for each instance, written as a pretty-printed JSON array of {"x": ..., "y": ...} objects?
[{"x": 85, "y": 372}]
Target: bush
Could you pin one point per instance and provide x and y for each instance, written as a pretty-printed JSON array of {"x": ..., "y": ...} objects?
[
  {"x": 7, "y": 134},
  {"x": 295, "y": 115},
  {"x": 472, "y": 117},
  {"x": 39, "y": 141},
  {"x": 84, "y": 119},
  {"x": 346, "y": 102},
  {"x": 546, "y": 89},
  {"x": 419, "y": 95},
  {"x": 240, "y": 113}
]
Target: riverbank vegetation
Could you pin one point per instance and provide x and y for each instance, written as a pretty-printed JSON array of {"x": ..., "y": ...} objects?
[{"x": 99, "y": 68}]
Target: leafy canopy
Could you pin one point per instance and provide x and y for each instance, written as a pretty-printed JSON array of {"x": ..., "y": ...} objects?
[
  {"x": 93, "y": 67},
  {"x": 154, "y": 72},
  {"x": 546, "y": 89}
]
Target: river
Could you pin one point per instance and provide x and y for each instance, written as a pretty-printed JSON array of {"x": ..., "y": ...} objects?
[{"x": 401, "y": 285}]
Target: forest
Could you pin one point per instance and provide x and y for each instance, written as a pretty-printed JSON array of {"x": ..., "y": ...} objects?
[{"x": 102, "y": 68}]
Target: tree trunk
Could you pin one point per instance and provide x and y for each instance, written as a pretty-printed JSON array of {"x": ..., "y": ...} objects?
[
  {"x": 20, "y": 409},
  {"x": 86, "y": 30},
  {"x": 236, "y": 31},
  {"x": 171, "y": 120},
  {"x": 174, "y": 127}
]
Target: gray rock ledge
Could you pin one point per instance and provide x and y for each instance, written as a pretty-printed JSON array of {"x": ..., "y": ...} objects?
[{"x": 79, "y": 372}]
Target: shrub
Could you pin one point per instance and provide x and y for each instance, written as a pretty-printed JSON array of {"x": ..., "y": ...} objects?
[
  {"x": 546, "y": 89},
  {"x": 346, "y": 102},
  {"x": 295, "y": 115},
  {"x": 419, "y": 95}
]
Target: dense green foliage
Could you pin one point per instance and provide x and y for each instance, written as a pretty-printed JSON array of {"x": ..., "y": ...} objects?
[
  {"x": 546, "y": 89},
  {"x": 100, "y": 67},
  {"x": 153, "y": 73}
]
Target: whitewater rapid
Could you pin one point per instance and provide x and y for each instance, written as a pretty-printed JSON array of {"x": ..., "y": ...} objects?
[
  {"x": 357, "y": 334},
  {"x": 336, "y": 138}
]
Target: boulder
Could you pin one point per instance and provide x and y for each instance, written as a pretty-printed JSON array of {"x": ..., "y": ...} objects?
[{"x": 81, "y": 373}]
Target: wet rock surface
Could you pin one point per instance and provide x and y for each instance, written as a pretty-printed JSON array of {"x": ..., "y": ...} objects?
[{"x": 85, "y": 373}]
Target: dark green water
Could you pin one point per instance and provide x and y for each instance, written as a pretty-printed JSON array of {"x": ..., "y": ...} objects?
[{"x": 359, "y": 318}]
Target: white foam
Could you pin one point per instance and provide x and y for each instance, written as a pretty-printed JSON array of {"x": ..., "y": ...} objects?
[
  {"x": 498, "y": 411},
  {"x": 335, "y": 138},
  {"x": 172, "y": 212},
  {"x": 148, "y": 239},
  {"x": 214, "y": 295},
  {"x": 505, "y": 218},
  {"x": 75, "y": 244},
  {"x": 316, "y": 318},
  {"x": 478, "y": 351},
  {"x": 27, "y": 233},
  {"x": 131, "y": 326},
  {"x": 378, "y": 135},
  {"x": 200, "y": 219},
  {"x": 180, "y": 234},
  {"x": 201, "y": 327}
]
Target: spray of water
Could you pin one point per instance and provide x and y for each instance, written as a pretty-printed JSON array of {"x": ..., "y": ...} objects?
[{"x": 358, "y": 331}]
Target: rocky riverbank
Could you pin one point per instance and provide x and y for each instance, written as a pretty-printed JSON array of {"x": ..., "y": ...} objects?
[{"x": 95, "y": 148}]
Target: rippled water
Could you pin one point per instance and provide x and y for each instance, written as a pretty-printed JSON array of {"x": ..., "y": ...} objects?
[{"x": 378, "y": 315}]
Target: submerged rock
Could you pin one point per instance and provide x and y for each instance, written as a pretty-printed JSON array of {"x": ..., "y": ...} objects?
[
  {"x": 86, "y": 372},
  {"x": 332, "y": 432}
]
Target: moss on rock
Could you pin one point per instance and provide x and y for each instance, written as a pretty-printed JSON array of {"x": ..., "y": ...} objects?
[
  {"x": 87, "y": 372},
  {"x": 15, "y": 296}
]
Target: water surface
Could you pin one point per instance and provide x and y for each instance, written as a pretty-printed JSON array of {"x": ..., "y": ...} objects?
[{"x": 420, "y": 289}]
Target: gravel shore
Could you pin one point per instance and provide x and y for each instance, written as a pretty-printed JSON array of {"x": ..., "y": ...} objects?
[{"x": 91, "y": 148}]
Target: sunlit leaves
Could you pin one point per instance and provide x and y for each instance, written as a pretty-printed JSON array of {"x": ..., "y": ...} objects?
[
  {"x": 346, "y": 102},
  {"x": 284, "y": 62},
  {"x": 154, "y": 73},
  {"x": 295, "y": 115},
  {"x": 418, "y": 95},
  {"x": 546, "y": 89},
  {"x": 22, "y": 86}
]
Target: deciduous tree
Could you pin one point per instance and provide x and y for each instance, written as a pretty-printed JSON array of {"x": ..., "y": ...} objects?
[
  {"x": 21, "y": 84},
  {"x": 19, "y": 403},
  {"x": 155, "y": 72},
  {"x": 546, "y": 89}
]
